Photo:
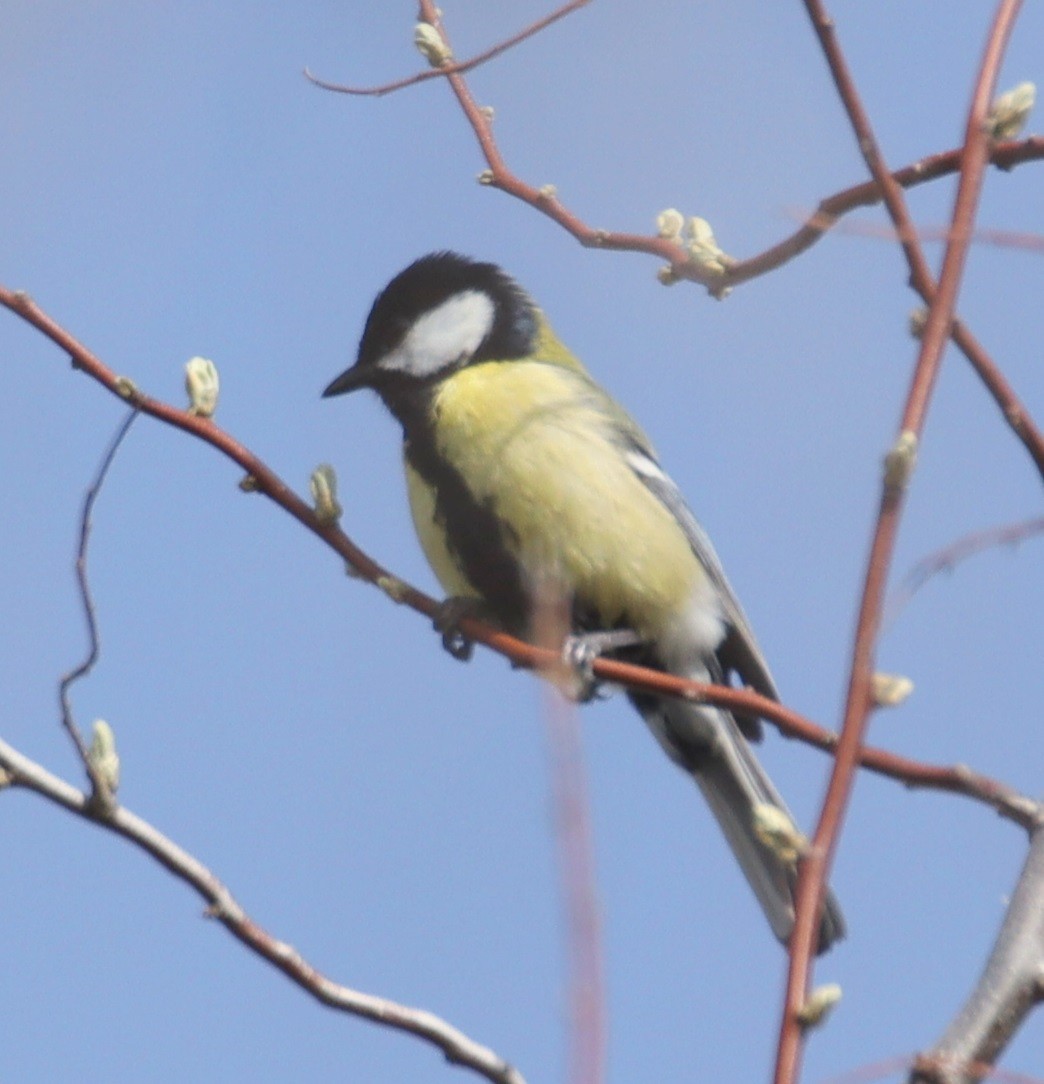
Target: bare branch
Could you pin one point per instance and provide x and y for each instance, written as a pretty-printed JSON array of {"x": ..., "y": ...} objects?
[
  {"x": 454, "y": 1044},
  {"x": 974, "y": 156},
  {"x": 1011, "y": 984}
]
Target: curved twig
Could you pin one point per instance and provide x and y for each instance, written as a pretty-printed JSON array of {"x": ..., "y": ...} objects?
[
  {"x": 455, "y": 67},
  {"x": 101, "y": 792},
  {"x": 945, "y": 559}
]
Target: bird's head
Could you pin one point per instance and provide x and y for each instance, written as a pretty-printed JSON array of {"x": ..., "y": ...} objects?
[{"x": 441, "y": 313}]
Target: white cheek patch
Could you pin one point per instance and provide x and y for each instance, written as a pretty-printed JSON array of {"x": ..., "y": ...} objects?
[{"x": 440, "y": 338}]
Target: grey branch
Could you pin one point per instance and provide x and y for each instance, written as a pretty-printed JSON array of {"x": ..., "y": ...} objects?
[
  {"x": 1009, "y": 987},
  {"x": 18, "y": 770}
]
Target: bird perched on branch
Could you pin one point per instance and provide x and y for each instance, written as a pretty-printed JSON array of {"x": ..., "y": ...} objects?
[{"x": 523, "y": 473}]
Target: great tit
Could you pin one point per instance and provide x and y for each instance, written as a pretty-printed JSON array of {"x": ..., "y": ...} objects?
[{"x": 522, "y": 472}]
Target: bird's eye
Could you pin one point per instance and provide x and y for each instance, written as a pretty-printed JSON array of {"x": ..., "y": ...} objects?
[
  {"x": 395, "y": 332},
  {"x": 392, "y": 335}
]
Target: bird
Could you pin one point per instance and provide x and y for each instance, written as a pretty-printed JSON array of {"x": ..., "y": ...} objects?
[{"x": 522, "y": 472}]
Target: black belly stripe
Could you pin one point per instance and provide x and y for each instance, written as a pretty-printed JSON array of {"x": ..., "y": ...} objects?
[{"x": 479, "y": 542}]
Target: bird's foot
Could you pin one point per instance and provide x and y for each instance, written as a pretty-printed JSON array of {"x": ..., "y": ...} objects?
[
  {"x": 579, "y": 653},
  {"x": 447, "y": 621}
]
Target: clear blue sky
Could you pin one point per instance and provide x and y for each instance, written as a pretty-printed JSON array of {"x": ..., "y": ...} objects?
[{"x": 172, "y": 186}]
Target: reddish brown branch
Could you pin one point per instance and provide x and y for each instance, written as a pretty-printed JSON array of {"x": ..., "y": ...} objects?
[
  {"x": 575, "y": 851},
  {"x": 521, "y": 654},
  {"x": 973, "y": 170},
  {"x": 575, "y": 847},
  {"x": 868, "y": 194},
  {"x": 956, "y": 779},
  {"x": 885, "y": 186},
  {"x": 681, "y": 266},
  {"x": 815, "y": 867},
  {"x": 1011, "y": 407},
  {"x": 455, "y": 67}
]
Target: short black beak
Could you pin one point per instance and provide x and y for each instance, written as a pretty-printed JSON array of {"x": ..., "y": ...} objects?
[{"x": 350, "y": 380}]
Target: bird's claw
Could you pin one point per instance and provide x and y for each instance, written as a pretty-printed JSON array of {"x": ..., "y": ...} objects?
[
  {"x": 447, "y": 621},
  {"x": 579, "y": 653}
]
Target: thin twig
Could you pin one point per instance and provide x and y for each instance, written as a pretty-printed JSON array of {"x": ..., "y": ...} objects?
[
  {"x": 945, "y": 559},
  {"x": 983, "y": 235},
  {"x": 454, "y": 67},
  {"x": 103, "y": 799},
  {"x": 587, "y": 1047},
  {"x": 454, "y": 1044}
]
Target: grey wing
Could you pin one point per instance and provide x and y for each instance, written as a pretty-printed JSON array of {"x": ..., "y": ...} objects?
[{"x": 739, "y": 651}]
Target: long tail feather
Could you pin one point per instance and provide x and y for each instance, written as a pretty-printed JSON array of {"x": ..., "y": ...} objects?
[{"x": 707, "y": 743}]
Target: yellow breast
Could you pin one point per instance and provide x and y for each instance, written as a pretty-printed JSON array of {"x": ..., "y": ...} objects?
[{"x": 534, "y": 442}]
